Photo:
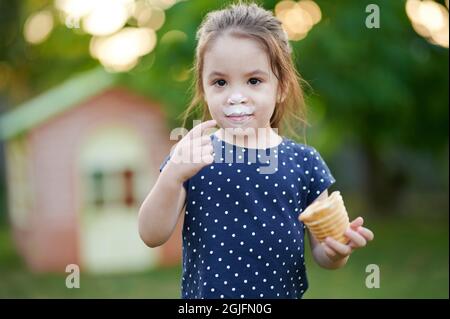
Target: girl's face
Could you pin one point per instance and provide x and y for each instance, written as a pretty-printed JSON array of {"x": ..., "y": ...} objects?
[{"x": 239, "y": 85}]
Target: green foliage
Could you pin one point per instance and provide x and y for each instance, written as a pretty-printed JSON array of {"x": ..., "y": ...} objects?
[
  {"x": 384, "y": 90},
  {"x": 389, "y": 81}
]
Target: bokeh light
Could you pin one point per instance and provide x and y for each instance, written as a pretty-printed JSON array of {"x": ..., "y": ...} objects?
[
  {"x": 121, "y": 52},
  {"x": 74, "y": 8},
  {"x": 298, "y": 18},
  {"x": 173, "y": 36},
  {"x": 107, "y": 17},
  {"x": 151, "y": 17},
  {"x": 38, "y": 26},
  {"x": 162, "y": 4},
  {"x": 117, "y": 46}
]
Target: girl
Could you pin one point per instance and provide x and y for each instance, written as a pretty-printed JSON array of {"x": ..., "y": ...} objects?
[{"x": 243, "y": 187}]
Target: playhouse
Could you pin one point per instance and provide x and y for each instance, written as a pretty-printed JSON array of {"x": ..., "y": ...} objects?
[{"x": 80, "y": 159}]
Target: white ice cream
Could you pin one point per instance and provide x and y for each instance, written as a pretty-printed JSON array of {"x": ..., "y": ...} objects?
[{"x": 238, "y": 110}]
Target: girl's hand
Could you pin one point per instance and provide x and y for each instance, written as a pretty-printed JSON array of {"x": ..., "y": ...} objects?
[
  {"x": 193, "y": 151},
  {"x": 359, "y": 237}
]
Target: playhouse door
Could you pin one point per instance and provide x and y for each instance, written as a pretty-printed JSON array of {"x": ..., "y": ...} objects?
[{"x": 114, "y": 181}]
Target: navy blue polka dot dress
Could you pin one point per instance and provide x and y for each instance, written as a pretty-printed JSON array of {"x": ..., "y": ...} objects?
[{"x": 241, "y": 233}]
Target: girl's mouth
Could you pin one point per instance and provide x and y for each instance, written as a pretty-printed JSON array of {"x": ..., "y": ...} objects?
[{"x": 239, "y": 118}]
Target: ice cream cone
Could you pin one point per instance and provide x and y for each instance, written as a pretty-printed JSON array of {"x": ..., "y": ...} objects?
[{"x": 327, "y": 218}]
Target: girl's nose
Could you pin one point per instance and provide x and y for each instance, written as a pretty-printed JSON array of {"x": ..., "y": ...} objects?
[{"x": 236, "y": 98}]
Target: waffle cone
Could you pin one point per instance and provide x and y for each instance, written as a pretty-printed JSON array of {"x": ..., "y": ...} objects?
[{"x": 327, "y": 218}]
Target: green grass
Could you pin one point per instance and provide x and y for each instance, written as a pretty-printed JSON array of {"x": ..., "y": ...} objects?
[
  {"x": 412, "y": 256},
  {"x": 17, "y": 282}
]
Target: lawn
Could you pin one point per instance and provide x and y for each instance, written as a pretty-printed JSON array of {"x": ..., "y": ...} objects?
[{"x": 412, "y": 256}]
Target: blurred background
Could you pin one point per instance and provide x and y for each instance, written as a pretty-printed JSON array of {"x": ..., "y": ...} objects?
[{"x": 90, "y": 90}]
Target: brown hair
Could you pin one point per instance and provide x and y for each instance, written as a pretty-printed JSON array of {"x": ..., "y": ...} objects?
[{"x": 253, "y": 21}]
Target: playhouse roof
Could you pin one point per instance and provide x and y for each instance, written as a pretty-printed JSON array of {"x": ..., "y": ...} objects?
[{"x": 54, "y": 102}]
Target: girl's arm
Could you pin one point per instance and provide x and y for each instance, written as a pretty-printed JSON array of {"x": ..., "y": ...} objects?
[
  {"x": 331, "y": 254},
  {"x": 161, "y": 208}
]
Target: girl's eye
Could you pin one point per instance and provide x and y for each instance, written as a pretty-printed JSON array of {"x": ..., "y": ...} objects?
[
  {"x": 220, "y": 82},
  {"x": 254, "y": 81}
]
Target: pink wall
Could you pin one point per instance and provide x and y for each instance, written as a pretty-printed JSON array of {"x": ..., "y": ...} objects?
[{"x": 52, "y": 240}]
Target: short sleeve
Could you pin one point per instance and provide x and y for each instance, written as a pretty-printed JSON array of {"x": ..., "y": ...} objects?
[
  {"x": 319, "y": 175},
  {"x": 164, "y": 163}
]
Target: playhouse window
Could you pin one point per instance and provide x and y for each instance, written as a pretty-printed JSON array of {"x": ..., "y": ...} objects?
[
  {"x": 113, "y": 187},
  {"x": 128, "y": 176}
]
